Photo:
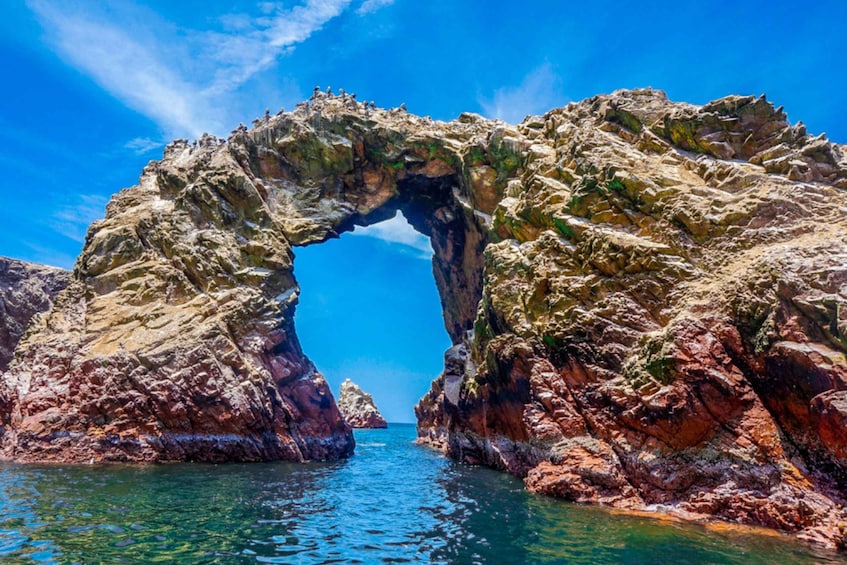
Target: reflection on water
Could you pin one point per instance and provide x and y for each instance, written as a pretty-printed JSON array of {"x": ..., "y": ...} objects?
[{"x": 394, "y": 502}]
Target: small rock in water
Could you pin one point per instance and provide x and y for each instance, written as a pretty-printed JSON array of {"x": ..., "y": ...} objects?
[{"x": 358, "y": 407}]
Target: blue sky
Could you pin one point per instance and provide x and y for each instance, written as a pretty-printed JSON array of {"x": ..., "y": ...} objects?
[{"x": 94, "y": 89}]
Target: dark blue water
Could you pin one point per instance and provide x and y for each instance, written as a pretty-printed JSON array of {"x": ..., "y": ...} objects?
[{"x": 394, "y": 502}]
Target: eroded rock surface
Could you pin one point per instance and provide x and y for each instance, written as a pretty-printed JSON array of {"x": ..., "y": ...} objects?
[
  {"x": 175, "y": 339},
  {"x": 358, "y": 407},
  {"x": 663, "y": 315},
  {"x": 646, "y": 301},
  {"x": 25, "y": 290}
]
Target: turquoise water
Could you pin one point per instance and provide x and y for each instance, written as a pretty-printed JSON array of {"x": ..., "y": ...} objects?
[{"x": 394, "y": 502}]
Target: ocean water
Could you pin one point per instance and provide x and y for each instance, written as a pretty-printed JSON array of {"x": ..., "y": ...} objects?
[{"x": 393, "y": 502}]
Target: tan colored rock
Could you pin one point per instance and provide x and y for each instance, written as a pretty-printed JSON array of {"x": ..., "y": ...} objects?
[
  {"x": 358, "y": 407},
  {"x": 661, "y": 326},
  {"x": 646, "y": 299},
  {"x": 175, "y": 341}
]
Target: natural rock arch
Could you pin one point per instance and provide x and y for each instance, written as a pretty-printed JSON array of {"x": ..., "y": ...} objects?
[
  {"x": 647, "y": 301},
  {"x": 176, "y": 338}
]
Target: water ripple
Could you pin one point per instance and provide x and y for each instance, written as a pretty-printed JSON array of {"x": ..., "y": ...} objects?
[{"x": 394, "y": 502}]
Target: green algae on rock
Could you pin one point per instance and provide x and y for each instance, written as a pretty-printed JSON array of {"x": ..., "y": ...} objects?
[{"x": 646, "y": 301}]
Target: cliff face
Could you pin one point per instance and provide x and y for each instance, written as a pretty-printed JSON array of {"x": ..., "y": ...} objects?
[
  {"x": 358, "y": 407},
  {"x": 25, "y": 290},
  {"x": 663, "y": 316},
  {"x": 646, "y": 300}
]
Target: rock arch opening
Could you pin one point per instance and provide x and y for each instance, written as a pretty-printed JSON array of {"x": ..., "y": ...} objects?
[
  {"x": 433, "y": 207},
  {"x": 369, "y": 310}
]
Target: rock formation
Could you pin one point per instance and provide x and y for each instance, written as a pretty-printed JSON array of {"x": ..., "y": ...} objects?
[
  {"x": 647, "y": 301},
  {"x": 25, "y": 290},
  {"x": 663, "y": 316},
  {"x": 358, "y": 407}
]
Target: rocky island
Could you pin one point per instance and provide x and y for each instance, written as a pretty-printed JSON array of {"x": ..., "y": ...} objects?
[
  {"x": 647, "y": 302},
  {"x": 358, "y": 407}
]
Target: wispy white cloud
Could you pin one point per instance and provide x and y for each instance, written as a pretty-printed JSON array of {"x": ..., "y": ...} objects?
[
  {"x": 370, "y": 6},
  {"x": 142, "y": 145},
  {"x": 73, "y": 219},
  {"x": 127, "y": 65},
  {"x": 539, "y": 91},
  {"x": 251, "y": 44},
  {"x": 184, "y": 79},
  {"x": 398, "y": 231}
]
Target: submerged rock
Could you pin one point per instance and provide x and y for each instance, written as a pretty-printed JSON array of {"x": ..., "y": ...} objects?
[
  {"x": 358, "y": 407},
  {"x": 647, "y": 302}
]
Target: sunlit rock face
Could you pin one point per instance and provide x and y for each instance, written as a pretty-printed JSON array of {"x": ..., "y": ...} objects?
[
  {"x": 646, "y": 301},
  {"x": 358, "y": 407},
  {"x": 663, "y": 315},
  {"x": 175, "y": 339}
]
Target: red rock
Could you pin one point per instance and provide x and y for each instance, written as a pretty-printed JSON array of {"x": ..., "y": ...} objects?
[
  {"x": 829, "y": 414},
  {"x": 647, "y": 302}
]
